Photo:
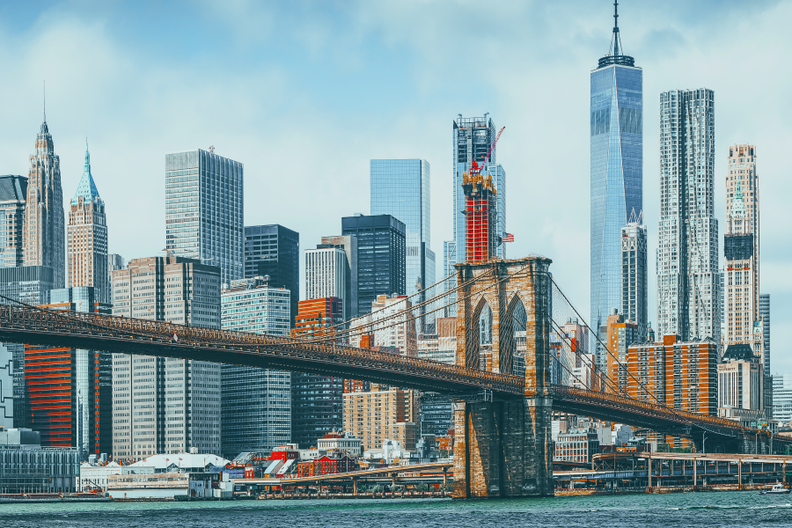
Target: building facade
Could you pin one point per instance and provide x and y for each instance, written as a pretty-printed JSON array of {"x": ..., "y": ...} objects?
[
  {"x": 13, "y": 197},
  {"x": 621, "y": 333},
  {"x": 473, "y": 137},
  {"x": 165, "y": 405},
  {"x": 740, "y": 382},
  {"x": 317, "y": 400},
  {"x": 81, "y": 415},
  {"x": 401, "y": 188},
  {"x": 256, "y": 403},
  {"x": 635, "y": 288},
  {"x": 677, "y": 374},
  {"x": 381, "y": 257},
  {"x": 273, "y": 251},
  {"x": 27, "y": 467},
  {"x": 394, "y": 416},
  {"x": 204, "y": 210},
  {"x": 86, "y": 238},
  {"x": 44, "y": 234},
  {"x": 688, "y": 289},
  {"x": 616, "y": 143},
  {"x": 392, "y": 327},
  {"x": 114, "y": 262},
  {"x": 764, "y": 313},
  {"x": 327, "y": 275},
  {"x": 6, "y": 386},
  {"x": 782, "y": 398}
]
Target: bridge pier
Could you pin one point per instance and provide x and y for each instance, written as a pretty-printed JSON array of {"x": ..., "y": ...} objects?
[{"x": 505, "y": 449}]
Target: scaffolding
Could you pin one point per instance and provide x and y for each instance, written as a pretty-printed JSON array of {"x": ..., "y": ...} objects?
[{"x": 480, "y": 220}]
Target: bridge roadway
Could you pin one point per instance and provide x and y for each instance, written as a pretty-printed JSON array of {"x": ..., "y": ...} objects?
[
  {"x": 34, "y": 326},
  {"x": 440, "y": 468}
]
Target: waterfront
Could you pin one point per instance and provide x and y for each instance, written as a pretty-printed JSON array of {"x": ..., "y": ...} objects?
[{"x": 684, "y": 509}]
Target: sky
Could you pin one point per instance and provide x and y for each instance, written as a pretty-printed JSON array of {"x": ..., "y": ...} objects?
[{"x": 304, "y": 94}]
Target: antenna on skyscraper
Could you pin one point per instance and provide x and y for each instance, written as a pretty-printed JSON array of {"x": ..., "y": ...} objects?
[
  {"x": 45, "y": 101},
  {"x": 616, "y": 37}
]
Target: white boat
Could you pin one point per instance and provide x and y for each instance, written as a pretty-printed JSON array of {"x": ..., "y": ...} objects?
[{"x": 777, "y": 489}]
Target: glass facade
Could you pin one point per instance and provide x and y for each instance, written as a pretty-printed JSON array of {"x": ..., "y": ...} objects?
[
  {"x": 381, "y": 257},
  {"x": 256, "y": 403},
  {"x": 400, "y": 188},
  {"x": 634, "y": 305},
  {"x": 616, "y": 117},
  {"x": 273, "y": 251},
  {"x": 204, "y": 210},
  {"x": 13, "y": 193}
]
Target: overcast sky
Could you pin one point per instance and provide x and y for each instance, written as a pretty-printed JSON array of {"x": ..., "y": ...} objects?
[{"x": 306, "y": 93}]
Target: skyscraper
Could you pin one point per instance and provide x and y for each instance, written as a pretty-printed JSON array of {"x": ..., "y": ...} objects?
[
  {"x": 44, "y": 237},
  {"x": 764, "y": 312},
  {"x": 635, "y": 302},
  {"x": 114, "y": 262},
  {"x": 326, "y": 275},
  {"x": 13, "y": 195},
  {"x": 166, "y": 405},
  {"x": 316, "y": 400},
  {"x": 204, "y": 210},
  {"x": 349, "y": 244},
  {"x": 256, "y": 403},
  {"x": 70, "y": 390},
  {"x": 688, "y": 289},
  {"x": 86, "y": 238},
  {"x": 381, "y": 256},
  {"x": 616, "y": 117},
  {"x": 400, "y": 188},
  {"x": 274, "y": 251}
]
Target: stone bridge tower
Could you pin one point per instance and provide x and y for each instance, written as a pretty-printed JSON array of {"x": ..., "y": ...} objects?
[{"x": 503, "y": 446}]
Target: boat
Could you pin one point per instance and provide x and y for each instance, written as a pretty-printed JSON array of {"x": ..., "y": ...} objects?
[{"x": 777, "y": 489}]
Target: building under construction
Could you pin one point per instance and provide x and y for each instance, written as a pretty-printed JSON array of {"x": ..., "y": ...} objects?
[{"x": 481, "y": 240}]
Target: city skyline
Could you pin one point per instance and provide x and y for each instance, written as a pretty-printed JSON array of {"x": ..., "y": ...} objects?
[{"x": 537, "y": 229}]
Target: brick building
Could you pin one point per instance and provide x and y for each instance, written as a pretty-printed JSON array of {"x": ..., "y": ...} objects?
[{"x": 381, "y": 413}]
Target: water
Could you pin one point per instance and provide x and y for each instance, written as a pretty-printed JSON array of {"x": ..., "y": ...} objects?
[{"x": 622, "y": 511}]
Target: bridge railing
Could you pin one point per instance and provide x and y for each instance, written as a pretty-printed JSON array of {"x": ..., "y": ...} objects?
[
  {"x": 646, "y": 408},
  {"x": 176, "y": 335}
]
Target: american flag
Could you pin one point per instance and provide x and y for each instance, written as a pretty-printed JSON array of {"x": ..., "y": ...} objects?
[{"x": 508, "y": 237}]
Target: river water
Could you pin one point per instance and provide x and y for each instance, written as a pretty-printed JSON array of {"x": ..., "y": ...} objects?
[{"x": 620, "y": 511}]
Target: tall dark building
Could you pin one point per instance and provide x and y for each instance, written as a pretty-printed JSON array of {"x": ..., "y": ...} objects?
[
  {"x": 381, "y": 257},
  {"x": 274, "y": 250}
]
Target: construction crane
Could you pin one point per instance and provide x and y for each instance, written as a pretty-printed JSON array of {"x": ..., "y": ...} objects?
[{"x": 475, "y": 168}]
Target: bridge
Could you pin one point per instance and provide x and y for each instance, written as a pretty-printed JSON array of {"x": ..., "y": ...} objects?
[{"x": 502, "y": 410}]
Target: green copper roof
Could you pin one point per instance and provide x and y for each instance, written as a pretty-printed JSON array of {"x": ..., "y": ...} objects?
[
  {"x": 87, "y": 188},
  {"x": 738, "y": 207}
]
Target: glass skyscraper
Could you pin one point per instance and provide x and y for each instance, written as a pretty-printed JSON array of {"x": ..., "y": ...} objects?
[
  {"x": 204, "y": 210},
  {"x": 273, "y": 251},
  {"x": 381, "y": 252},
  {"x": 400, "y": 188},
  {"x": 616, "y": 175}
]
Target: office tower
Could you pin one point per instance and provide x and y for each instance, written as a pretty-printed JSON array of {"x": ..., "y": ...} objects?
[
  {"x": 688, "y": 292},
  {"x": 274, "y": 251},
  {"x": 449, "y": 259},
  {"x": 740, "y": 381},
  {"x": 635, "y": 302},
  {"x": 349, "y": 244},
  {"x": 764, "y": 314},
  {"x": 317, "y": 400},
  {"x": 677, "y": 374},
  {"x": 616, "y": 117},
  {"x": 395, "y": 418},
  {"x": 6, "y": 387},
  {"x": 204, "y": 210},
  {"x": 327, "y": 275},
  {"x": 13, "y": 196},
  {"x": 390, "y": 325},
  {"x": 400, "y": 188},
  {"x": 473, "y": 138},
  {"x": 381, "y": 255},
  {"x": 743, "y": 324},
  {"x": 621, "y": 334},
  {"x": 86, "y": 238},
  {"x": 165, "y": 405},
  {"x": 114, "y": 262},
  {"x": 256, "y": 403},
  {"x": 44, "y": 236},
  {"x": 70, "y": 390},
  {"x": 782, "y": 398}
]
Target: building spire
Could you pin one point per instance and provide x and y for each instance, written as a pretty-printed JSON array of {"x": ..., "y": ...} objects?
[
  {"x": 45, "y": 101},
  {"x": 616, "y": 51},
  {"x": 616, "y": 44}
]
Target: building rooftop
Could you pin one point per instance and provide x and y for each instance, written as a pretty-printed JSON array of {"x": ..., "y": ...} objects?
[
  {"x": 86, "y": 189},
  {"x": 13, "y": 188}
]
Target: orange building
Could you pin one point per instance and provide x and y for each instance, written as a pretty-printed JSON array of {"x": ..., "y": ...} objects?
[
  {"x": 480, "y": 222},
  {"x": 69, "y": 392},
  {"x": 318, "y": 316},
  {"x": 682, "y": 376},
  {"x": 620, "y": 335}
]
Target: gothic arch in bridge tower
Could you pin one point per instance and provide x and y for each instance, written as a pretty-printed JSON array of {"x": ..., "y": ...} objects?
[{"x": 503, "y": 446}]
